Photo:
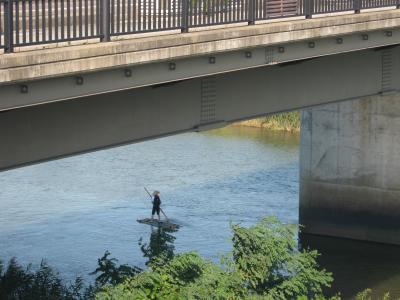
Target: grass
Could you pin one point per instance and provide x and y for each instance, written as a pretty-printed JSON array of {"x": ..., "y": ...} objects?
[{"x": 289, "y": 121}]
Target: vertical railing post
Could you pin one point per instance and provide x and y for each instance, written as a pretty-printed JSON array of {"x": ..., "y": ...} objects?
[
  {"x": 309, "y": 8},
  {"x": 252, "y": 12},
  {"x": 105, "y": 20},
  {"x": 185, "y": 16},
  {"x": 8, "y": 26},
  {"x": 357, "y": 6}
]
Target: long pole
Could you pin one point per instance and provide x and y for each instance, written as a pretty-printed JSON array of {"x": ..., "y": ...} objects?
[{"x": 160, "y": 207}]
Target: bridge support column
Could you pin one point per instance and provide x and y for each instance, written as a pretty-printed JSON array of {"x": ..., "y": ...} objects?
[{"x": 350, "y": 169}]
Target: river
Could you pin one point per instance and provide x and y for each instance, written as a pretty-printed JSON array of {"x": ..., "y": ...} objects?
[{"x": 70, "y": 211}]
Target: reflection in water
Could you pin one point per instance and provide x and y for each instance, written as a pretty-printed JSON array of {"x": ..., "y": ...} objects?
[
  {"x": 260, "y": 135},
  {"x": 358, "y": 265},
  {"x": 160, "y": 246},
  {"x": 91, "y": 202}
]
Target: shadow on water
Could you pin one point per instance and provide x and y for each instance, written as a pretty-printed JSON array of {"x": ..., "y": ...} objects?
[
  {"x": 357, "y": 265},
  {"x": 158, "y": 251},
  {"x": 160, "y": 246}
]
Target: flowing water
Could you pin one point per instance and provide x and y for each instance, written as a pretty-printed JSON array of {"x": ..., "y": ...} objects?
[{"x": 72, "y": 210}]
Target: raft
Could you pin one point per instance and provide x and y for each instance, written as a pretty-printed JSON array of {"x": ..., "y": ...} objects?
[{"x": 161, "y": 223}]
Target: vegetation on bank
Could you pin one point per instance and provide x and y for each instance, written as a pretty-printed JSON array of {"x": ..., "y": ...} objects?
[
  {"x": 18, "y": 283},
  {"x": 289, "y": 121},
  {"x": 265, "y": 263}
]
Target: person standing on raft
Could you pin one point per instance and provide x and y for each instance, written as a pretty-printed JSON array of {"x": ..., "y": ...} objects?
[{"x": 156, "y": 205}]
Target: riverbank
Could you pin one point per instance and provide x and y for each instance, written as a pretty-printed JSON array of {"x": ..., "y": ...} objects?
[{"x": 289, "y": 121}]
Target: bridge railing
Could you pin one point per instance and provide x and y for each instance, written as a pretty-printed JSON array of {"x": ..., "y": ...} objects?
[
  {"x": 32, "y": 22},
  {"x": 331, "y": 6},
  {"x": 135, "y": 16}
]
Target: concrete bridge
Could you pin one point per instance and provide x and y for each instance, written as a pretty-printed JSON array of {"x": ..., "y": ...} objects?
[{"x": 69, "y": 100}]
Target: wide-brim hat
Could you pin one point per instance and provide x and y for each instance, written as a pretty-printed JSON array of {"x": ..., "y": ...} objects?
[{"x": 156, "y": 193}]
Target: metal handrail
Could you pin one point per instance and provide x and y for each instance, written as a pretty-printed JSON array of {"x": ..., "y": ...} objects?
[{"x": 32, "y": 22}]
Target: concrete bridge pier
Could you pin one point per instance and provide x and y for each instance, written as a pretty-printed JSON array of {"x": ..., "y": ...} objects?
[{"x": 350, "y": 169}]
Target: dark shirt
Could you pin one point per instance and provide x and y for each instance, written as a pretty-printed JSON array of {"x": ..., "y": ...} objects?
[{"x": 156, "y": 201}]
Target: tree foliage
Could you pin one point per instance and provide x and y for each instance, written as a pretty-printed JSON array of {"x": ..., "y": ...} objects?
[
  {"x": 267, "y": 256},
  {"x": 367, "y": 295},
  {"x": 110, "y": 273},
  {"x": 264, "y": 264},
  {"x": 17, "y": 283}
]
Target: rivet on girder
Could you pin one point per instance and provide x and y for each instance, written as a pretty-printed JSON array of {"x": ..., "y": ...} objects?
[
  {"x": 128, "y": 72},
  {"x": 172, "y": 66},
  {"x": 365, "y": 37},
  {"x": 211, "y": 59},
  {"x": 248, "y": 54},
  {"x": 281, "y": 49},
  {"x": 24, "y": 89},
  {"x": 339, "y": 40},
  {"x": 79, "y": 80},
  {"x": 311, "y": 45},
  {"x": 389, "y": 33}
]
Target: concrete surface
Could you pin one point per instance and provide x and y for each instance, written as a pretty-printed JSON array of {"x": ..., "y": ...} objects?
[
  {"x": 349, "y": 169},
  {"x": 24, "y": 66}
]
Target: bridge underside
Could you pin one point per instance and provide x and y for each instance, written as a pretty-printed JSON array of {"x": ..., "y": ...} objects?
[{"x": 47, "y": 131}]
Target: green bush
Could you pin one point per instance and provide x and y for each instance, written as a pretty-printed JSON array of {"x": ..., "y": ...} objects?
[
  {"x": 367, "y": 295},
  {"x": 264, "y": 264},
  {"x": 17, "y": 283},
  {"x": 110, "y": 273},
  {"x": 289, "y": 121}
]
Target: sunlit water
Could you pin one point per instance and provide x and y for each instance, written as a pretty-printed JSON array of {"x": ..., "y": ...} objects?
[{"x": 70, "y": 211}]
